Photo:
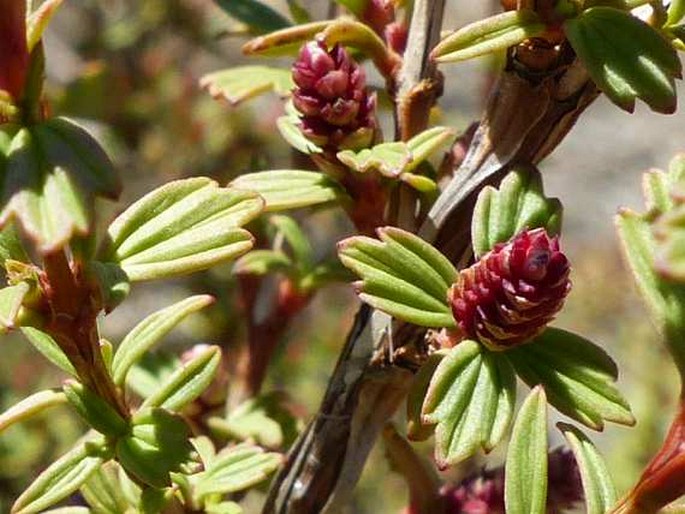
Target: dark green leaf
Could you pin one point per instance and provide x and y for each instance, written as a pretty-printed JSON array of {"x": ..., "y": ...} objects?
[
  {"x": 256, "y": 15},
  {"x": 62, "y": 477},
  {"x": 625, "y": 57},
  {"x": 600, "y": 494},
  {"x": 243, "y": 83},
  {"x": 471, "y": 400},
  {"x": 94, "y": 410},
  {"x": 417, "y": 430},
  {"x": 291, "y": 189},
  {"x": 113, "y": 282},
  {"x": 577, "y": 375},
  {"x": 525, "y": 487},
  {"x": 54, "y": 171},
  {"x": 157, "y": 445},
  {"x": 401, "y": 275},
  {"x": 149, "y": 331},
  {"x": 517, "y": 205}
]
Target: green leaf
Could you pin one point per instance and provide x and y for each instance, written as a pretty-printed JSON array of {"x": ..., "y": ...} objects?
[
  {"x": 401, "y": 275},
  {"x": 297, "y": 240},
  {"x": 286, "y": 41},
  {"x": 396, "y": 158},
  {"x": 113, "y": 282},
  {"x": 669, "y": 228},
  {"x": 11, "y": 298},
  {"x": 30, "y": 406},
  {"x": 150, "y": 331},
  {"x": 243, "y": 83},
  {"x": 94, "y": 410},
  {"x": 11, "y": 247},
  {"x": 356, "y": 7},
  {"x": 223, "y": 508},
  {"x": 323, "y": 274},
  {"x": 263, "y": 262},
  {"x": 600, "y": 494},
  {"x": 298, "y": 12},
  {"x": 525, "y": 482},
  {"x": 626, "y": 58},
  {"x": 46, "y": 345},
  {"x": 157, "y": 445},
  {"x": 578, "y": 376},
  {"x": 289, "y": 127},
  {"x": 490, "y": 35},
  {"x": 38, "y": 21},
  {"x": 417, "y": 430},
  {"x": 256, "y": 15},
  {"x": 471, "y": 399},
  {"x": 182, "y": 227},
  {"x": 265, "y": 419},
  {"x": 236, "y": 468},
  {"x": 518, "y": 204},
  {"x": 103, "y": 492},
  {"x": 291, "y": 189},
  {"x": 68, "y": 510},
  {"x": 53, "y": 172},
  {"x": 62, "y": 477},
  {"x": 151, "y": 371},
  {"x": 676, "y": 12},
  {"x": 188, "y": 382}
]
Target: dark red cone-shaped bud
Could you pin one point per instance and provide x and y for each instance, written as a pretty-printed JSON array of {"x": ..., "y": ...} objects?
[
  {"x": 513, "y": 291},
  {"x": 330, "y": 93}
]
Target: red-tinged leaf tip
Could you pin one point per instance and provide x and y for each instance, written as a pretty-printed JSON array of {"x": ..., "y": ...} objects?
[{"x": 14, "y": 55}]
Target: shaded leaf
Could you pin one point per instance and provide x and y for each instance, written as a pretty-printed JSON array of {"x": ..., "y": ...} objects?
[
  {"x": 625, "y": 57},
  {"x": 490, "y": 35},
  {"x": 182, "y": 227},
  {"x": 53, "y": 172},
  {"x": 578, "y": 377},
  {"x": 401, "y": 275},
  {"x": 30, "y": 406},
  {"x": 255, "y": 14},
  {"x": 263, "y": 262},
  {"x": 518, "y": 204},
  {"x": 417, "y": 430},
  {"x": 62, "y": 477},
  {"x": 46, "y": 345},
  {"x": 113, "y": 283},
  {"x": 148, "y": 374},
  {"x": 243, "y": 83},
  {"x": 186, "y": 383},
  {"x": 600, "y": 494},
  {"x": 94, "y": 410},
  {"x": 297, "y": 240},
  {"x": 150, "y": 331},
  {"x": 157, "y": 445},
  {"x": 11, "y": 247},
  {"x": 103, "y": 492},
  {"x": 291, "y": 189},
  {"x": 525, "y": 482},
  {"x": 471, "y": 399}
]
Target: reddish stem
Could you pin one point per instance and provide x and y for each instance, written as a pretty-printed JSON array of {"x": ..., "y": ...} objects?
[{"x": 663, "y": 480}]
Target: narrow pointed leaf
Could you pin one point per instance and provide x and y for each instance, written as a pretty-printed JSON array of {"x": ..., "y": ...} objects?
[
  {"x": 578, "y": 376},
  {"x": 62, "y": 477},
  {"x": 150, "y": 331},
  {"x": 263, "y": 262},
  {"x": 291, "y": 189},
  {"x": 243, "y": 83},
  {"x": 287, "y": 41},
  {"x": 181, "y": 227},
  {"x": 46, "y": 345},
  {"x": 30, "y": 406},
  {"x": 424, "y": 145},
  {"x": 519, "y": 204},
  {"x": 103, "y": 492},
  {"x": 187, "y": 382},
  {"x": 11, "y": 298},
  {"x": 625, "y": 57},
  {"x": 94, "y": 410},
  {"x": 297, "y": 240},
  {"x": 401, "y": 275},
  {"x": 237, "y": 468},
  {"x": 600, "y": 493},
  {"x": 417, "y": 430},
  {"x": 525, "y": 487},
  {"x": 493, "y": 34},
  {"x": 471, "y": 399},
  {"x": 38, "y": 21},
  {"x": 255, "y": 14}
]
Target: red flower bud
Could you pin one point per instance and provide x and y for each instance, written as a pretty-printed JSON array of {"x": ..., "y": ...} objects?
[
  {"x": 331, "y": 95},
  {"x": 513, "y": 291}
]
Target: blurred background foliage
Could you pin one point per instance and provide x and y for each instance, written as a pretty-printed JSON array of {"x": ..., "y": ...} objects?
[{"x": 130, "y": 70}]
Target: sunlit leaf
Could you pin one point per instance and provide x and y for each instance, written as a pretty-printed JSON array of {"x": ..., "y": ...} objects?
[
  {"x": 46, "y": 345},
  {"x": 94, "y": 410},
  {"x": 103, "y": 492},
  {"x": 401, "y": 275},
  {"x": 30, "y": 406},
  {"x": 243, "y": 83}
]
